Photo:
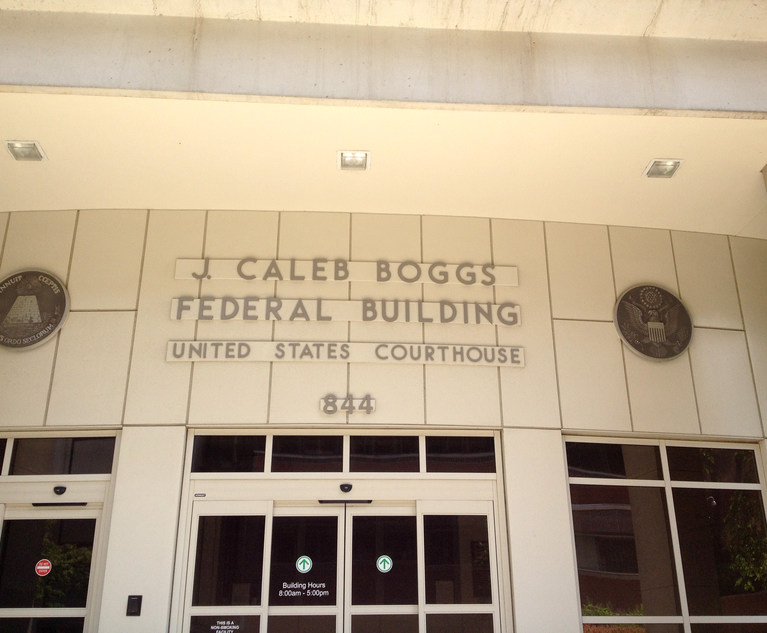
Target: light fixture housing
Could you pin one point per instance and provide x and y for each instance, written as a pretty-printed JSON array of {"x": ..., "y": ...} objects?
[
  {"x": 353, "y": 160},
  {"x": 25, "y": 150},
  {"x": 662, "y": 167}
]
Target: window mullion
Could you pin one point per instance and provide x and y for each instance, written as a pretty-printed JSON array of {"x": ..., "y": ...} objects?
[{"x": 680, "y": 581}]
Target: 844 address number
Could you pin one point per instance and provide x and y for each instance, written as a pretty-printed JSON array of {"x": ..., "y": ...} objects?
[{"x": 332, "y": 404}]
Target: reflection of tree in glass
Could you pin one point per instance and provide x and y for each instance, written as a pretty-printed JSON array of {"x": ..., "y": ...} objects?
[
  {"x": 742, "y": 537},
  {"x": 68, "y": 581},
  {"x": 607, "y": 610}
]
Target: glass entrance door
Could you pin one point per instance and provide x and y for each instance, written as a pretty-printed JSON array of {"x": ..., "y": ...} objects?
[
  {"x": 419, "y": 567},
  {"x": 45, "y": 569}
]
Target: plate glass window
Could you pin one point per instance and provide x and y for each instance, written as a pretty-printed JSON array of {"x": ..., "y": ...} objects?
[
  {"x": 62, "y": 456},
  {"x": 707, "y": 567}
]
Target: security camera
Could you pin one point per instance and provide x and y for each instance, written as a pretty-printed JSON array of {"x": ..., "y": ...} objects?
[
  {"x": 345, "y": 487},
  {"x": 59, "y": 490}
]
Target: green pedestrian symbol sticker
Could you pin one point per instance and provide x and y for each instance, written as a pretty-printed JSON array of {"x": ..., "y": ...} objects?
[
  {"x": 384, "y": 564},
  {"x": 304, "y": 564}
]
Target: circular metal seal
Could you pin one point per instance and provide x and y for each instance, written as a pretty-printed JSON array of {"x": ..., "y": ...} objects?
[
  {"x": 33, "y": 306},
  {"x": 653, "y": 322}
]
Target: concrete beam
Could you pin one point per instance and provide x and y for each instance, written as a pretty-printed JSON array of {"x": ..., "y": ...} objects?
[{"x": 214, "y": 56}]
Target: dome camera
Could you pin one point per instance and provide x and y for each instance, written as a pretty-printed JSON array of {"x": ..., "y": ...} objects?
[{"x": 345, "y": 487}]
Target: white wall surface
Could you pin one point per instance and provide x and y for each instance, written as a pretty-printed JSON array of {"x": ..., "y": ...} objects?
[
  {"x": 120, "y": 266},
  {"x": 542, "y": 556},
  {"x": 142, "y": 534}
]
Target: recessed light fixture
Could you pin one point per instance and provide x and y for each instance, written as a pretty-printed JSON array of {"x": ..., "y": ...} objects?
[
  {"x": 662, "y": 167},
  {"x": 354, "y": 160},
  {"x": 25, "y": 150}
]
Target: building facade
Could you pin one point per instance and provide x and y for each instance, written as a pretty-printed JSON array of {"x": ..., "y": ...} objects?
[{"x": 263, "y": 415}]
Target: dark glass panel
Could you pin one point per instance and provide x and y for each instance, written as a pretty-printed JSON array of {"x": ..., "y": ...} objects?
[
  {"x": 633, "y": 628},
  {"x": 62, "y": 456},
  {"x": 723, "y": 542},
  {"x": 457, "y": 559},
  {"x": 294, "y": 580},
  {"x": 624, "y": 552},
  {"x": 66, "y": 543},
  {"x": 310, "y": 453},
  {"x": 732, "y": 627},
  {"x": 623, "y": 461},
  {"x": 460, "y": 454},
  {"x": 41, "y": 625},
  {"x": 377, "y": 581},
  {"x": 228, "y": 454},
  {"x": 225, "y": 624},
  {"x": 3, "y": 442},
  {"x": 384, "y": 454},
  {"x": 459, "y": 623},
  {"x": 229, "y": 561},
  {"x": 712, "y": 464},
  {"x": 301, "y": 624},
  {"x": 384, "y": 624}
]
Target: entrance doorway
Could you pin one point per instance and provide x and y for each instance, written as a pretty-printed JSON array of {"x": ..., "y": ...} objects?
[
  {"x": 352, "y": 534},
  {"x": 354, "y": 567}
]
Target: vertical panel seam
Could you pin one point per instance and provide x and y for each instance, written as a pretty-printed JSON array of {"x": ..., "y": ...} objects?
[
  {"x": 689, "y": 351},
  {"x": 745, "y": 333},
  {"x": 135, "y": 314}
]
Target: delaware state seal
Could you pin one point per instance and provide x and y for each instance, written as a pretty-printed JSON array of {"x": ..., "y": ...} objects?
[{"x": 33, "y": 306}]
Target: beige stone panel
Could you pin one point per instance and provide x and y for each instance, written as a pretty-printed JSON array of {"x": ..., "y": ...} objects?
[
  {"x": 661, "y": 394},
  {"x": 380, "y": 330},
  {"x": 4, "y": 218},
  {"x": 540, "y": 533},
  {"x": 459, "y": 334},
  {"x": 25, "y": 376},
  {"x": 592, "y": 383},
  {"x": 229, "y": 393},
  {"x": 239, "y": 234},
  {"x": 236, "y": 329},
  {"x": 397, "y": 389},
  {"x": 236, "y": 235},
  {"x": 313, "y": 289},
  {"x": 297, "y": 389},
  {"x": 310, "y": 235},
  {"x": 158, "y": 391},
  {"x": 106, "y": 263},
  {"x": 707, "y": 280},
  {"x": 456, "y": 240},
  {"x": 40, "y": 240},
  {"x": 393, "y": 238},
  {"x": 91, "y": 373},
  {"x": 337, "y": 331},
  {"x": 750, "y": 257},
  {"x": 724, "y": 385},
  {"x": 529, "y": 395},
  {"x": 143, "y": 527},
  {"x": 464, "y": 396},
  {"x": 475, "y": 293},
  {"x": 580, "y": 272},
  {"x": 390, "y": 291},
  {"x": 642, "y": 256},
  {"x": 386, "y": 332}
]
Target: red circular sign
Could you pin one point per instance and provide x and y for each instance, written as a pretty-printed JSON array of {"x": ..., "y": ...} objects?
[{"x": 43, "y": 567}]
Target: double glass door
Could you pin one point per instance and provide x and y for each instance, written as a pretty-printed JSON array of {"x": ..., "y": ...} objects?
[{"x": 332, "y": 567}]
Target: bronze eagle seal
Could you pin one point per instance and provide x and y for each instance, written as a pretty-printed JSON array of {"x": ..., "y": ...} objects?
[{"x": 653, "y": 322}]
